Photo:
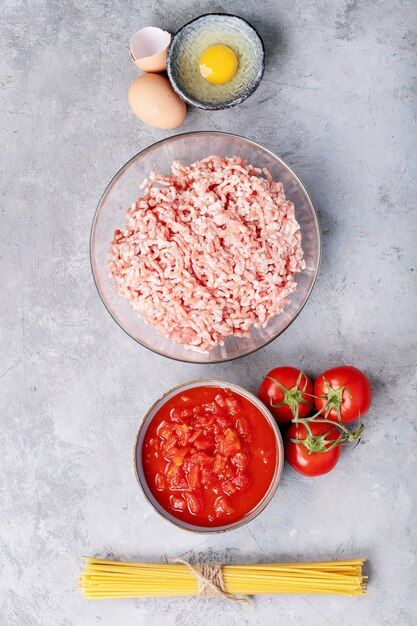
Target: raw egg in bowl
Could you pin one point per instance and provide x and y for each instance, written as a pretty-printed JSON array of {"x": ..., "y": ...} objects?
[
  {"x": 208, "y": 456},
  {"x": 216, "y": 61}
]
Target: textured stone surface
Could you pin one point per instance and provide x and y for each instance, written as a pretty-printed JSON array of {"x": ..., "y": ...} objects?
[{"x": 337, "y": 103}]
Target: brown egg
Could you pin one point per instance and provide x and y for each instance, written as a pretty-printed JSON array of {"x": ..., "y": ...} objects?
[
  {"x": 148, "y": 48},
  {"x": 154, "y": 101}
]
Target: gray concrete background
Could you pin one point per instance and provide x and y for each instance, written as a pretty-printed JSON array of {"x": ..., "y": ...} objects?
[{"x": 338, "y": 104}]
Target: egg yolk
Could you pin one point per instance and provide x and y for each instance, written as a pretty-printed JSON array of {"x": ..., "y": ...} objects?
[{"x": 218, "y": 64}]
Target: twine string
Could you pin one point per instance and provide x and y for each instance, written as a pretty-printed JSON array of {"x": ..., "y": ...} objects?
[{"x": 210, "y": 581}]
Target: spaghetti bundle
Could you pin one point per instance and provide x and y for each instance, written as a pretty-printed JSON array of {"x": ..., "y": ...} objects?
[{"x": 115, "y": 579}]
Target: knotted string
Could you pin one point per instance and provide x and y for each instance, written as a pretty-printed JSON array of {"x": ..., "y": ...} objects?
[{"x": 210, "y": 581}]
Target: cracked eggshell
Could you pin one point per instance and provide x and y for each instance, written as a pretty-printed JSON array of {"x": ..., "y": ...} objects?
[{"x": 148, "y": 49}]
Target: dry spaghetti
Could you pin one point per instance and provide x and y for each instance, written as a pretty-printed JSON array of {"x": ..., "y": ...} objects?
[{"x": 115, "y": 579}]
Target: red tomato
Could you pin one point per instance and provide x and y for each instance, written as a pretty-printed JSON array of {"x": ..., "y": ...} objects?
[
  {"x": 175, "y": 477},
  {"x": 286, "y": 391},
  {"x": 240, "y": 460},
  {"x": 229, "y": 443},
  {"x": 178, "y": 504},
  {"x": 222, "y": 506},
  {"x": 195, "y": 502},
  {"x": 194, "y": 477},
  {"x": 317, "y": 457},
  {"x": 243, "y": 428},
  {"x": 179, "y": 456},
  {"x": 160, "y": 482},
  {"x": 183, "y": 434},
  {"x": 229, "y": 488},
  {"x": 345, "y": 394},
  {"x": 241, "y": 481}
]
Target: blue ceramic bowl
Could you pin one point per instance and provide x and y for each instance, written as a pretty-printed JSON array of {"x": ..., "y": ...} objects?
[{"x": 191, "y": 41}]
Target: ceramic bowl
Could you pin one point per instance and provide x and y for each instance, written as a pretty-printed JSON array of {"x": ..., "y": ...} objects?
[{"x": 190, "y": 42}]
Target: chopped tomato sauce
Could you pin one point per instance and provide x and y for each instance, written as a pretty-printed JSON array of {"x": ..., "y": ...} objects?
[{"x": 209, "y": 456}]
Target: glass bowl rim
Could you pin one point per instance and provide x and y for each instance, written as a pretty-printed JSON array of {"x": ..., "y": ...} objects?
[
  {"x": 279, "y": 468},
  {"x": 145, "y": 151},
  {"x": 195, "y": 102}
]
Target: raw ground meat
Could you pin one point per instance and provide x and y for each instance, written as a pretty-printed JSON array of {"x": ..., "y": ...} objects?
[{"x": 208, "y": 251}]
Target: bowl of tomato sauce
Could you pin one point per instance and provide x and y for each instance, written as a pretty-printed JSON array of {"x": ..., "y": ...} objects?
[{"x": 208, "y": 456}]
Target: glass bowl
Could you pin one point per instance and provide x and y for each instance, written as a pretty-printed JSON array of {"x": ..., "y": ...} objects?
[
  {"x": 124, "y": 189},
  {"x": 140, "y": 474}
]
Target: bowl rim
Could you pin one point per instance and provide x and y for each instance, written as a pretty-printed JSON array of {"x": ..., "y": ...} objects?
[
  {"x": 257, "y": 510},
  {"x": 143, "y": 152},
  {"x": 215, "y": 106}
]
